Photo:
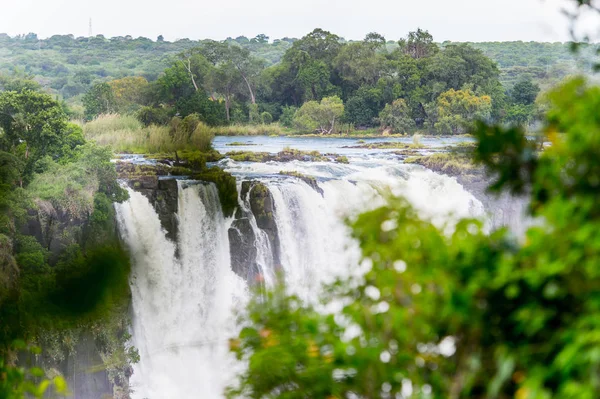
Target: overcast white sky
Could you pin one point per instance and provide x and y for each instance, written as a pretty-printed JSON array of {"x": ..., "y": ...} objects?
[{"x": 458, "y": 20}]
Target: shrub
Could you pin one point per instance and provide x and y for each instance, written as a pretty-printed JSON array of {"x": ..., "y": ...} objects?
[
  {"x": 154, "y": 115},
  {"x": 396, "y": 116},
  {"x": 266, "y": 118},
  {"x": 287, "y": 115}
]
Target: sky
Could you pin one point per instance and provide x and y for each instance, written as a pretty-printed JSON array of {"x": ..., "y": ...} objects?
[{"x": 458, "y": 20}]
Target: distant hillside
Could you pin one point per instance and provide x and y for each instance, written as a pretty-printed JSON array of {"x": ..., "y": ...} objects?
[{"x": 68, "y": 66}]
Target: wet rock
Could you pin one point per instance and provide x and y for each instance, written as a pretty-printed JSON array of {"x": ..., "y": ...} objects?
[
  {"x": 163, "y": 195},
  {"x": 263, "y": 209},
  {"x": 242, "y": 237},
  {"x": 243, "y": 249},
  {"x": 311, "y": 181}
]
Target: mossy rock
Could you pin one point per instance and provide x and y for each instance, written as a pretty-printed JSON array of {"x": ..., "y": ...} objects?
[
  {"x": 262, "y": 206},
  {"x": 449, "y": 163},
  {"x": 226, "y": 186}
]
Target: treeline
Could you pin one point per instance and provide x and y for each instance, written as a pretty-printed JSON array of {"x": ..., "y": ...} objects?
[
  {"x": 324, "y": 85},
  {"x": 69, "y": 66}
]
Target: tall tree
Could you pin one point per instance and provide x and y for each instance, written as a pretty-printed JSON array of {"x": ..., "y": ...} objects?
[
  {"x": 98, "y": 100},
  {"x": 418, "y": 44},
  {"x": 524, "y": 92}
]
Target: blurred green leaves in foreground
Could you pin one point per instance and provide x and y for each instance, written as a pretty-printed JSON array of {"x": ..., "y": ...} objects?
[
  {"x": 20, "y": 382},
  {"x": 460, "y": 315}
]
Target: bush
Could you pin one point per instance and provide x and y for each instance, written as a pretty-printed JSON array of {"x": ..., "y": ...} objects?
[
  {"x": 154, "y": 115},
  {"x": 396, "y": 116},
  {"x": 266, "y": 118},
  {"x": 254, "y": 116},
  {"x": 287, "y": 115}
]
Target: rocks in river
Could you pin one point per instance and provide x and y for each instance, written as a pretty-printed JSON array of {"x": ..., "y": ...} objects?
[{"x": 287, "y": 155}]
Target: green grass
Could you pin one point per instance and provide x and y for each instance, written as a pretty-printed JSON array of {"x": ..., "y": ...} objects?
[
  {"x": 273, "y": 129},
  {"x": 124, "y": 133}
]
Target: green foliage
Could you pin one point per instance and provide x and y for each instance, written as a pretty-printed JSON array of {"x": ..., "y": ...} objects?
[
  {"x": 89, "y": 286},
  {"x": 99, "y": 100},
  {"x": 524, "y": 92},
  {"x": 266, "y": 118},
  {"x": 226, "y": 185},
  {"x": 21, "y": 382},
  {"x": 210, "y": 112},
  {"x": 154, "y": 115},
  {"x": 396, "y": 116},
  {"x": 254, "y": 115},
  {"x": 362, "y": 108},
  {"x": 456, "y": 110},
  {"x": 452, "y": 311},
  {"x": 70, "y": 188},
  {"x": 126, "y": 134},
  {"x": 33, "y": 126},
  {"x": 287, "y": 116},
  {"x": 319, "y": 117}
]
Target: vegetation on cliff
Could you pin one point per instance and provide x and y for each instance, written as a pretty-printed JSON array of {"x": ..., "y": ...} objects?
[{"x": 62, "y": 266}]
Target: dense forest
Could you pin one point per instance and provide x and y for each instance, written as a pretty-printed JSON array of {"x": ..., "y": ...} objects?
[{"x": 320, "y": 83}]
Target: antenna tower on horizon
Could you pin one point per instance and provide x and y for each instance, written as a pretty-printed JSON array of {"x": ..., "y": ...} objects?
[{"x": 90, "y": 31}]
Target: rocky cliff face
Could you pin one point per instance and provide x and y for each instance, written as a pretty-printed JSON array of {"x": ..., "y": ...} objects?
[
  {"x": 163, "y": 195},
  {"x": 259, "y": 209}
]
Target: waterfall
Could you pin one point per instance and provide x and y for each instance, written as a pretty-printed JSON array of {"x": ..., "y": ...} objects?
[
  {"x": 181, "y": 307},
  {"x": 184, "y": 293}
]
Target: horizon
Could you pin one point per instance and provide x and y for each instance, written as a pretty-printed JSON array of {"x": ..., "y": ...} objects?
[
  {"x": 271, "y": 40},
  {"x": 511, "y": 20}
]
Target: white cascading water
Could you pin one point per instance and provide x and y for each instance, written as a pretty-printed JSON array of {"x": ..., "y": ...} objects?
[{"x": 183, "y": 308}]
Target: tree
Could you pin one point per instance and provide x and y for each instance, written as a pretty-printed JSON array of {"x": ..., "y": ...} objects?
[
  {"x": 455, "y": 312},
  {"x": 98, "y": 100},
  {"x": 287, "y": 116},
  {"x": 363, "y": 107},
  {"x": 455, "y": 110},
  {"x": 34, "y": 126},
  {"x": 358, "y": 64},
  {"x": 318, "y": 45},
  {"x": 319, "y": 116},
  {"x": 375, "y": 40},
  {"x": 418, "y": 44},
  {"x": 313, "y": 77},
  {"x": 129, "y": 92},
  {"x": 520, "y": 114},
  {"x": 397, "y": 117},
  {"x": 248, "y": 67},
  {"x": 225, "y": 80},
  {"x": 524, "y": 92}
]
